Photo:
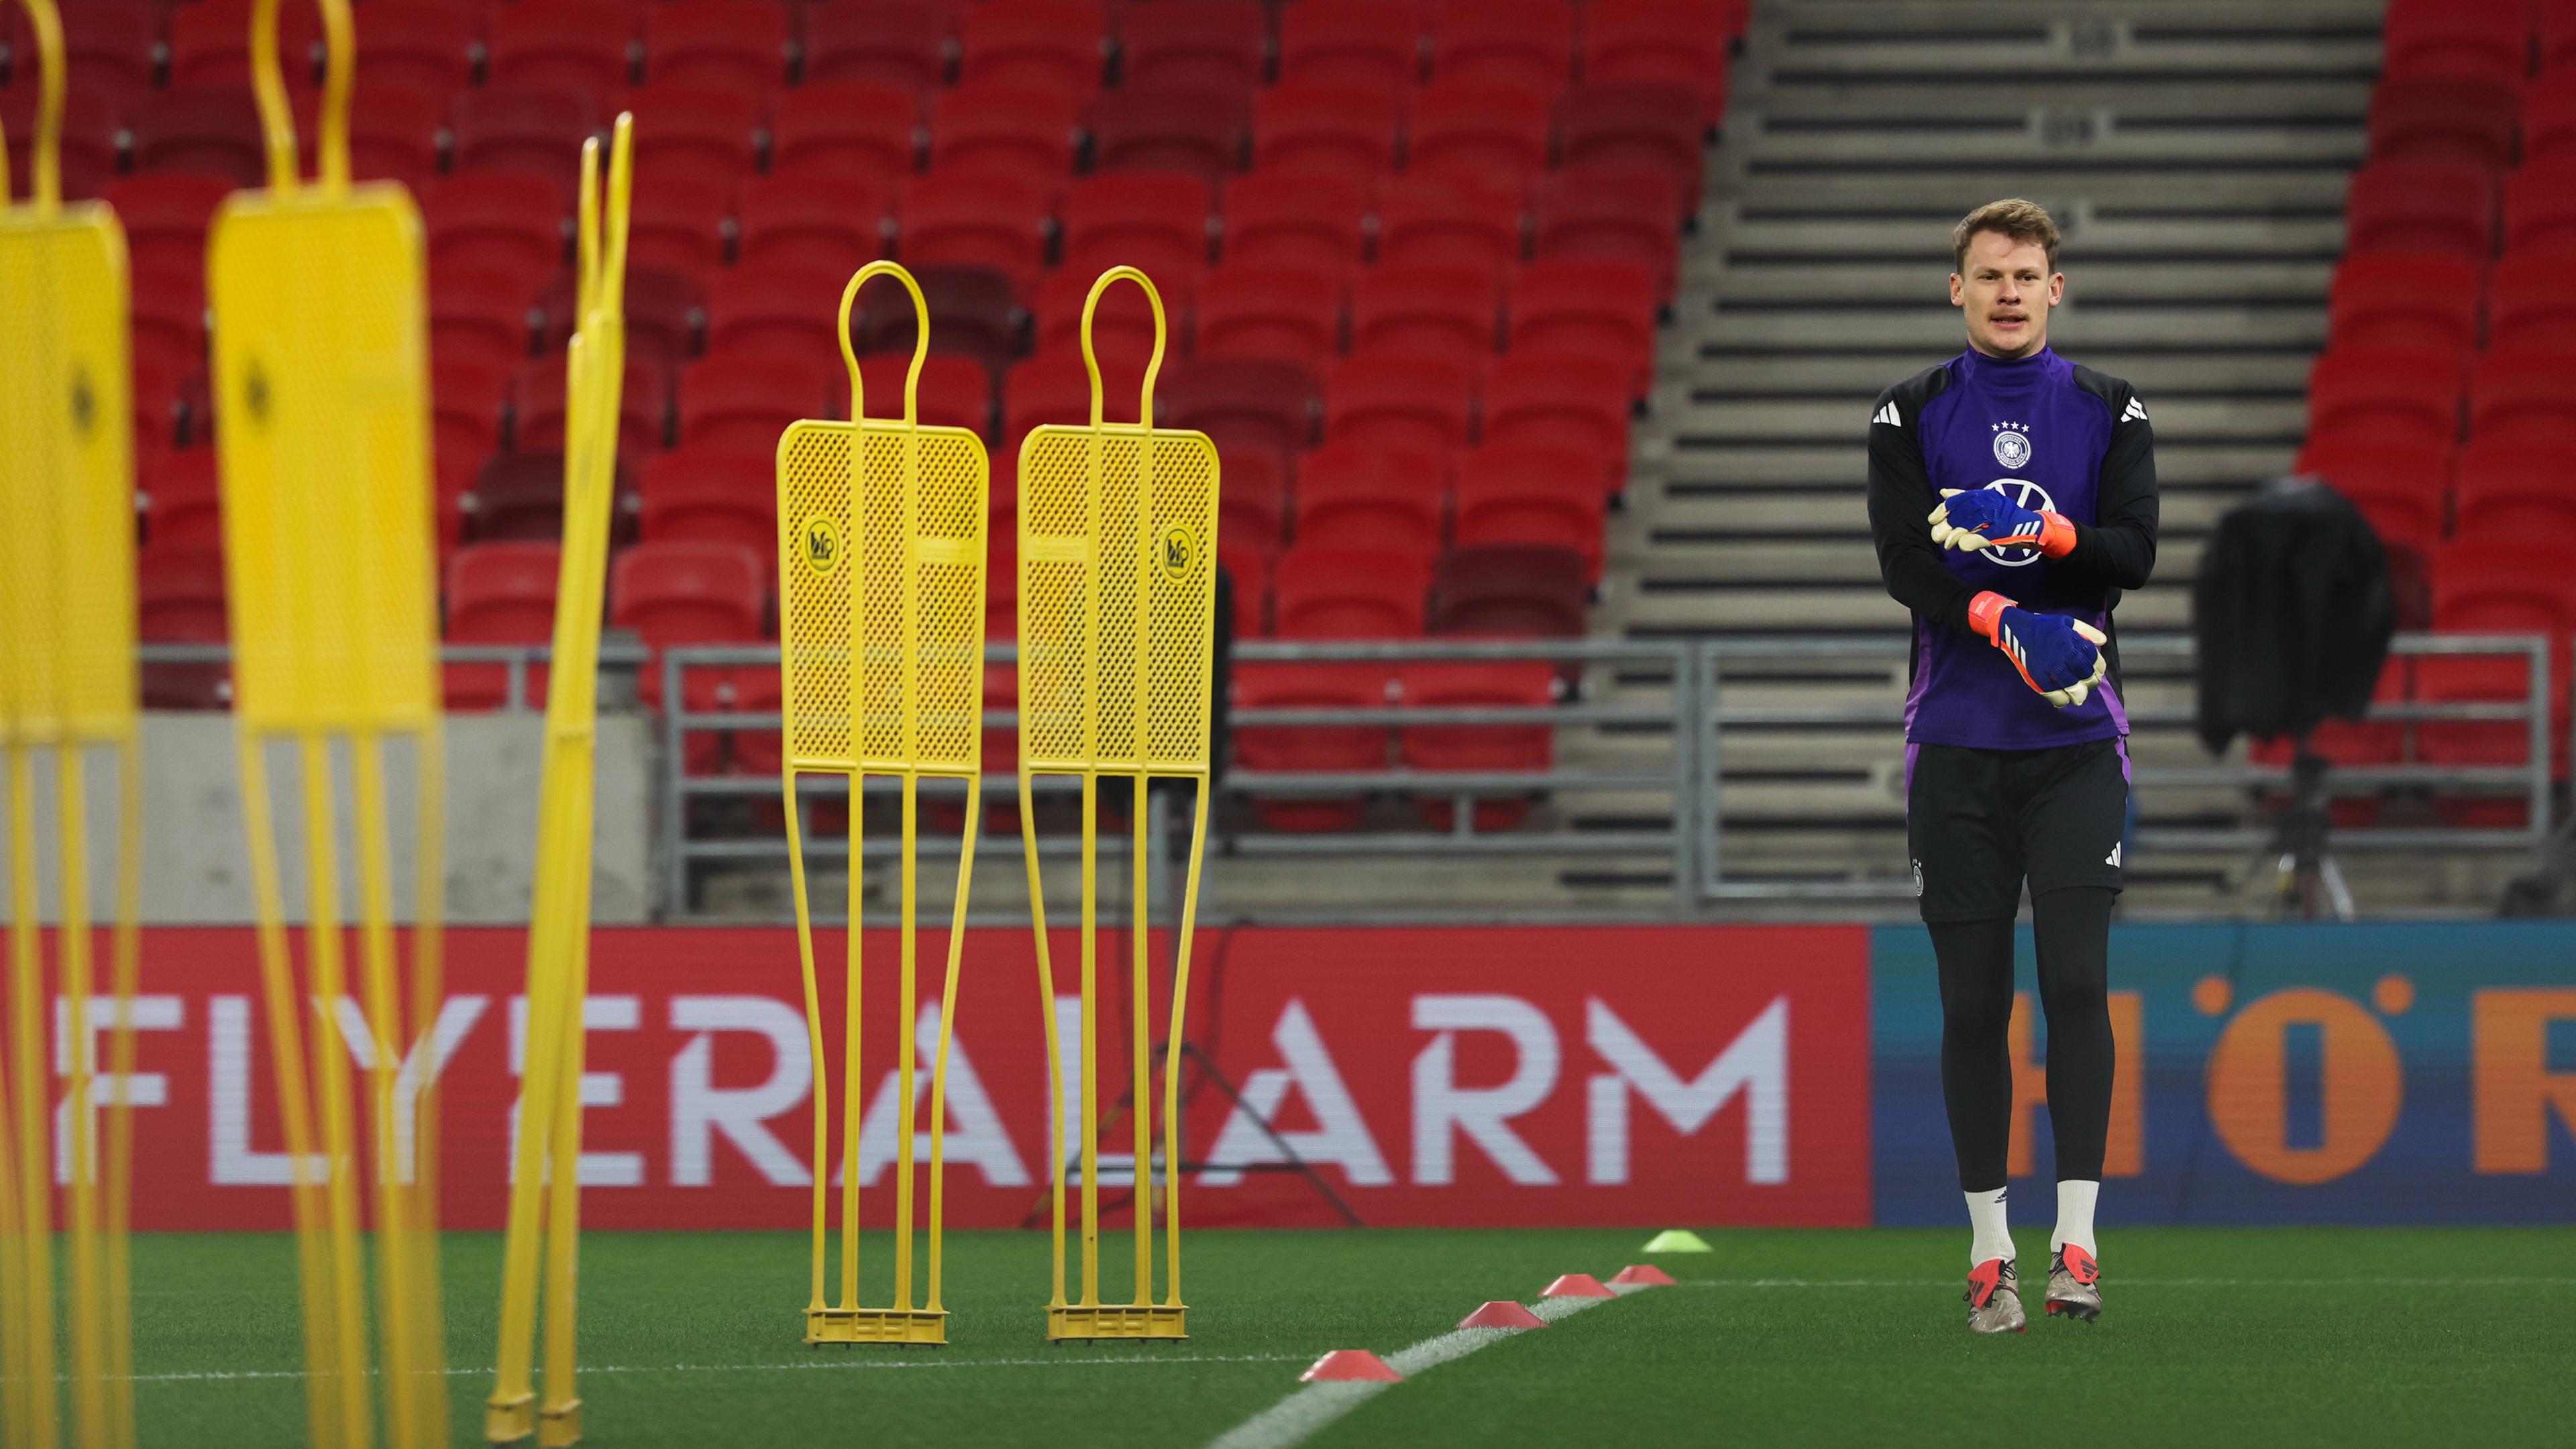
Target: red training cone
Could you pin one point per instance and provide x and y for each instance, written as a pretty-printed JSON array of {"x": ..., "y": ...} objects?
[
  {"x": 1577, "y": 1285},
  {"x": 1502, "y": 1313},
  {"x": 1350, "y": 1365},
  {"x": 1644, "y": 1275}
]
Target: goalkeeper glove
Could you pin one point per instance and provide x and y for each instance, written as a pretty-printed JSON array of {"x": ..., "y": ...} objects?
[
  {"x": 1987, "y": 519},
  {"x": 2058, "y": 656}
]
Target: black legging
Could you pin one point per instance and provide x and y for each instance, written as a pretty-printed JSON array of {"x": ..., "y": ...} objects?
[{"x": 2072, "y": 929}]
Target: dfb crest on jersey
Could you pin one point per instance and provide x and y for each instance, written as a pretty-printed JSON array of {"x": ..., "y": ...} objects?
[
  {"x": 2028, "y": 494},
  {"x": 2012, "y": 444}
]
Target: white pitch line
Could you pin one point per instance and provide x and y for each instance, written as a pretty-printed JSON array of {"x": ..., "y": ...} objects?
[
  {"x": 1305, "y": 1413},
  {"x": 823, "y": 1364}
]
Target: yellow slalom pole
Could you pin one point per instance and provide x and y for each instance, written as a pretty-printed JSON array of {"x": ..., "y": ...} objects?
[
  {"x": 382, "y": 1006},
  {"x": 29, "y": 1093},
  {"x": 87, "y": 1306},
  {"x": 126, "y": 970},
  {"x": 17, "y": 1339},
  {"x": 1058, "y": 1149},
  {"x": 332, "y": 1090},
  {"x": 947, "y": 1030}
]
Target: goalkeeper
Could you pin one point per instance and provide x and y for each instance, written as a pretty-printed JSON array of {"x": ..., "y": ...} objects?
[{"x": 2012, "y": 496}]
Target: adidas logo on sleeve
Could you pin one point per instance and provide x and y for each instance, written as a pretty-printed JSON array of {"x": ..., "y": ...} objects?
[
  {"x": 1888, "y": 416},
  {"x": 2135, "y": 413}
]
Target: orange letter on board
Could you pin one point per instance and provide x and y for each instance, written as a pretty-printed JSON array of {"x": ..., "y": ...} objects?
[
  {"x": 2124, "y": 1152},
  {"x": 2514, "y": 1088}
]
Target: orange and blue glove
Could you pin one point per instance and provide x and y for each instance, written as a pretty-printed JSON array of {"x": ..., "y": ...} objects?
[
  {"x": 1987, "y": 519},
  {"x": 2058, "y": 656}
]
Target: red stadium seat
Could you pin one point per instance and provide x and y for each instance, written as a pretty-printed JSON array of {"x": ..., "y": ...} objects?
[
  {"x": 1513, "y": 494},
  {"x": 394, "y": 136},
  {"x": 2523, "y": 393},
  {"x": 2442, "y": 118},
  {"x": 1443, "y": 311},
  {"x": 210, "y": 45},
  {"x": 179, "y": 599},
  {"x": 88, "y": 149},
  {"x": 1263, "y": 311},
  {"x": 520, "y": 496},
  {"x": 1052, "y": 387},
  {"x": 2400, "y": 488},
  {"x": 204, "y": 130},
  {"x": 686, "y": 128},
  {"x": 1212, "y": 45},
  {"x": 512, "y": 222},
  {"x": 1605, "y": 308},
  {"x": 966, "y": 219},
  {"x": 849, "y": 124},
  {"x": 1326, "y": 127},
  {"x": 1602, "y": 214},
  {"x": 1334, "y": 749},
  {"x": 1635, "y": 127},
  {"x": 820, "y": 216},
  {"x": 500, "y": 593},
  {"x": 1255, "y": 404},
  {"x": 1401, "y": 402},
  {"x": 974, "y": 313},
  {"x": 895, "y": 43},
  {"x": 571, "y": 47},
  {"x": 535, "y": 128},
  {"x": 1452, "y": 219},
  {"x": 1662, "y": 42},
  {"x": 1349, "y": 593},
  {"x": 1199, "y": 133},
  {"x": 718, "y": 496},
  {"x": 1299, "y": 218},
  {"x": 954, "y": 392},
  {"x": 2493, "y": 588},
  {"x": 165, "y": 220},
  {"x": 2531, "y": 304},
  {"x": 2540, "y": 209},
  {"x": 2509, "y": 490},
  {"x": 1477, "y": 749},
  {"x": 1252, "y": 511},
  {"x": 538, "y": 406},
  {"x": 735, "y": 45},
  {"x": 1159, "y": 222},
  {"x": 2488, "y": 40},
  {"x": 466, "y": 400},
  {"x": 180, "y": 507},
  {"x": 415, "y": 43},
  {"x": 2427, "y": 303},
  {"x": 2388, "y": 397},
  {"x": 1358, "y": 498},
  {"x": 2421, "y": 206},
  {"x": 1249, "y": 569},
  {"x": 2549, "y": 118},
  {"x": 1364, "y": 43},
  {"x": 1527, "y": 44},
  {"x": 107, "y": 49},
  {"x": 1481, "y": 129},
  {"x": 686, "y": 592},
  {"x": 1575, "y": 403},
  {"x": 776, "y": 305},
  {"x": 742, "y": 398},
  {"x": 1053, "y": 45},
  {"x": 678, "y": 223},
  {"x": 478, "y": 313},
  {"x": 1005, "y": 130},
  {"x": 1510, "y": 591}
]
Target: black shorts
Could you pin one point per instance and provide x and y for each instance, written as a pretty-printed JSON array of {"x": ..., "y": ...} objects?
[{"x": 1978, "y": 821}]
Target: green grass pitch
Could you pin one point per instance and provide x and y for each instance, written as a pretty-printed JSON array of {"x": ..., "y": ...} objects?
[{"x": 2271, "y": 1337}]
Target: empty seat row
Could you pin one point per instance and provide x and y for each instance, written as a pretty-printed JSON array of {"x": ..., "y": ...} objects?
[
  {"x": 2452, "y": 209},
  {"x": 2499, "y": 41},
  {"x": 2471, "y": 120},
  {"x": 2446, "y": 305},
  {"x": 2400, "y": 395}
]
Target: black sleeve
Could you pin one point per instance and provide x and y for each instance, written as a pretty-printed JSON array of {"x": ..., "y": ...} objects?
[
  {"x": 2119, "y": 551},
  {"x": 1901, "y": 499}
]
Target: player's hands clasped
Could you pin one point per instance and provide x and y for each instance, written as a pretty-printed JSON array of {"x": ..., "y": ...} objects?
[{"x": 1985, "y": 518}]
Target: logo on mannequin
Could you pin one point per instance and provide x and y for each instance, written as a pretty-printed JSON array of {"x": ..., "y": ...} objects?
[
  {"x": 2029, "y": 495},
  {"x": 2012, "y": 444}
]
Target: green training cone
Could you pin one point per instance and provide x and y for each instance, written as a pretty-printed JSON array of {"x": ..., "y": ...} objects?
[{"x": 1679, "y": 1240}]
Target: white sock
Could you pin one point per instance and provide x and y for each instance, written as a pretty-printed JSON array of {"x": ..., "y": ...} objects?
[
  {"x": 2075, "y": 1215},
  {"x": 1989, "y": 1238}
]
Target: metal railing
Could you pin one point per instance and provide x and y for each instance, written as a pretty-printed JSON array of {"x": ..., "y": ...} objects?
[
  {"x": 621, "y": 659},
  {"x": 2531, "y": 779}
]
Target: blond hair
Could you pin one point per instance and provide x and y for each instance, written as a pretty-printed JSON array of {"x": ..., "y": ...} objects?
[{"x": 2023, "y": 221}]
